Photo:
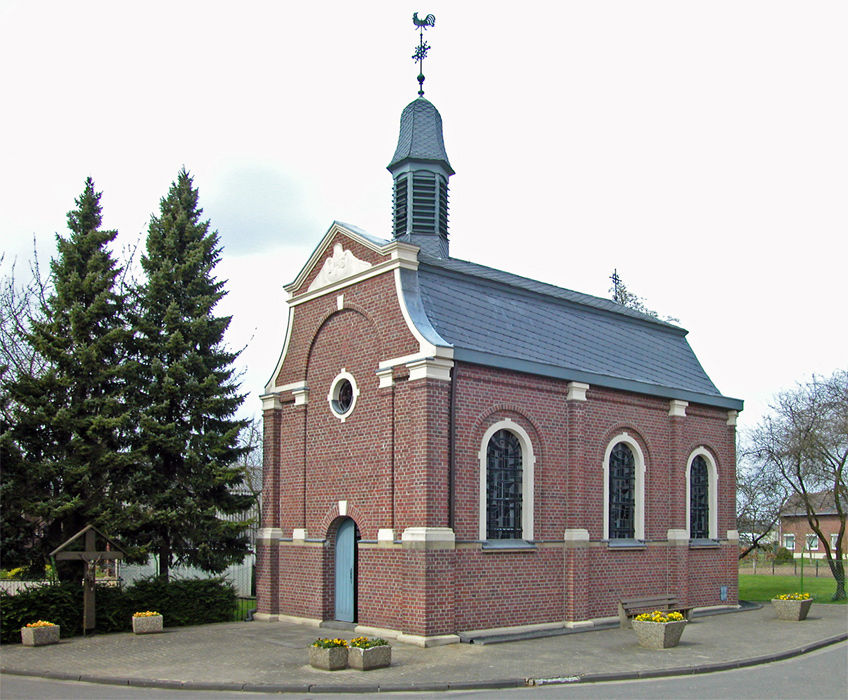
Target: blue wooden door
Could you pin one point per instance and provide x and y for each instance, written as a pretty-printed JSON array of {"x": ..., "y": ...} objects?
[{"x": 346, "y": 571}]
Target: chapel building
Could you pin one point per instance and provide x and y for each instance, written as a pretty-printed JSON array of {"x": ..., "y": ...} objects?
[{"x": 451, "y": 448}]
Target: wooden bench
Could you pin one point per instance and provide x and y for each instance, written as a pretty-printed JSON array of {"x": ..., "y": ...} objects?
[{"x": 628, "y": 608}]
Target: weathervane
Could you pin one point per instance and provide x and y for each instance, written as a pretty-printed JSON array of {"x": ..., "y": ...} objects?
[{"x": 422, "y": 48}]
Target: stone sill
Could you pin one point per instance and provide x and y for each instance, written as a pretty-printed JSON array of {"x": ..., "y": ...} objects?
[
  {"x": 704, "y": 544},
  {"x": 508, "y": 546},
  {"x": 634, "y": 545}
]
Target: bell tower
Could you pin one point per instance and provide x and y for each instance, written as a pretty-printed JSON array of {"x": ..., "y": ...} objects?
[{"x": 421, "y": 169}]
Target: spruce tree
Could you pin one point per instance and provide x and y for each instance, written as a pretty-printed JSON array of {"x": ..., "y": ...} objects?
[
  {"x": 188, "y": 396},
  {"x": 66, "y": 447}
]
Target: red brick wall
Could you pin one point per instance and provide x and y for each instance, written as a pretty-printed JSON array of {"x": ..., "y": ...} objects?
[{"x": 390, "y": 459}]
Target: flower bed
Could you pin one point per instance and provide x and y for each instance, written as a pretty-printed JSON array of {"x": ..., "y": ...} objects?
[
  {"x": 37, "y": 634},
  {"x": 792, "y": 607},
  {"x": 147, "y": 622},
  {"x": 659, "y": 630},
  {"x": 328, "y": 654},
  {"x": 366, "y": 654}
]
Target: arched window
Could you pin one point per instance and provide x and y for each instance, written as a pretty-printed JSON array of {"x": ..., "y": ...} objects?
[
  {"x": 622, "y": 493},
  {"x": 699, "y": 501},
  {"x": 701, "y": 495},
  {"x": 624, "y": 486},
  {"x": 507, "y": 463},
  {"x": 503, "y": 487}
]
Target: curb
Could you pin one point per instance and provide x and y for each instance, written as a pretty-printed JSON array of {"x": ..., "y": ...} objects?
[{"x": 432, "y": 687}]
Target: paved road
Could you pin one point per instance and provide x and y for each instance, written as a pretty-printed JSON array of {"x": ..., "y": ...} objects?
[{"x": 819, "y": 675}]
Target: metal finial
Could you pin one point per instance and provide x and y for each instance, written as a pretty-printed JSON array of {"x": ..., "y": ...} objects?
[{"x": 422, "y": 48}]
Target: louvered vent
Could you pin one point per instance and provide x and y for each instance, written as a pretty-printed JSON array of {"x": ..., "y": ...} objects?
[{"x": 400, "y": 205}]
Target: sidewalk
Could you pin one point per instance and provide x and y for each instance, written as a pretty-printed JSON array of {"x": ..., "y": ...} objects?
[{"x": 262, "y": 656}]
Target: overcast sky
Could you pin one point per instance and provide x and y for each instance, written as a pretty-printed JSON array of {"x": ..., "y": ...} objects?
[{"x": 699, "y": 148}]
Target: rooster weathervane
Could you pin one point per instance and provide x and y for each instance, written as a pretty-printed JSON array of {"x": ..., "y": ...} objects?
[{"x": 422, "y": 48}]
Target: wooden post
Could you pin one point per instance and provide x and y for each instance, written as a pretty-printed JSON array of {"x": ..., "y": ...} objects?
[{"x": 89, "y": 586}]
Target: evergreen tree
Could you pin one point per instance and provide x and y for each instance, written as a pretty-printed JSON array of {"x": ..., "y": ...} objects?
[
  {"x": 188, "y": 396},
  {"x": 66, "y": 462}
]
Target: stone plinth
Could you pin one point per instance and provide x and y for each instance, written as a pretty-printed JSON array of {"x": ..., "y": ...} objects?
[
  {"x": 328, "y": 659},
  {"x": 658, "y": 635},
  {"x": 147, "y": 625},
  {"x": 791, "y": 610},
  {"x": 39, "y": 636},
  {"x": 372, "y": 657}
]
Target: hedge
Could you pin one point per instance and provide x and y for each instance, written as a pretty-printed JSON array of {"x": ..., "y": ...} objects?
[{"x": 181, "y": 602}]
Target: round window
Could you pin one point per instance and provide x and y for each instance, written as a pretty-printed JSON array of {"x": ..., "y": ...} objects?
[{"x": 342, "y": 396}]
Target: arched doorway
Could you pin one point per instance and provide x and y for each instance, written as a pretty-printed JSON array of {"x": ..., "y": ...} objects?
[{"x": 345, "y": 566}]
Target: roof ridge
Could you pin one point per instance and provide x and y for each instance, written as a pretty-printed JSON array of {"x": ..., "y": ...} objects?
[{"x": 460, "y": 266}]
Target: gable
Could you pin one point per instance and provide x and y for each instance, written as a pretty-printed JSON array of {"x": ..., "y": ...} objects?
[{"x": 345, "y": 254}]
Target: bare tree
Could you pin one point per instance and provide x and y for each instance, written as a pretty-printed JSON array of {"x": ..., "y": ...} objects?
[
  {"x": 805, "y": 441},
  {"x": 251, "y": 438},
  {"x": 20, "y": 304},
  {"x": 760, "y": 494}
]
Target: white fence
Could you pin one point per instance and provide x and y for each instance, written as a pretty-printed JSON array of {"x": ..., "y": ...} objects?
[{"x": 15, "y": 587}]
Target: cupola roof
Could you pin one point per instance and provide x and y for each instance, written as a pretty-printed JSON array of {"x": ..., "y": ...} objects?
[{"x": 421, "y": 139}]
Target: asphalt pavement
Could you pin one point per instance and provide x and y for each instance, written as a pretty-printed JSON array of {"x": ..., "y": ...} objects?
[{"x": 272, "y": 656}]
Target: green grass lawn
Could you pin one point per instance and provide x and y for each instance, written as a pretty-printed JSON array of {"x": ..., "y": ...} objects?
[{"x": 766, "y": 587}]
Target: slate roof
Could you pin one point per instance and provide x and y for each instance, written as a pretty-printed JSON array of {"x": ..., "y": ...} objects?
[
  {"x": 499, "y": 319},
  {"x": 420, "y": 137}
]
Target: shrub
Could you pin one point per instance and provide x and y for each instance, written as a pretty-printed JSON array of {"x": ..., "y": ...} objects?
[
  {"x": 783, "y": 556},
  {"x": 181, "y": 602}
]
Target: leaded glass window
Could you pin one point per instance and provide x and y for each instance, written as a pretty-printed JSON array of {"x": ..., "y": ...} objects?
[
  {"x": 622, "y": 493},
  {"x": 699, "y": 499},
  {"x": 503, "y": 486}
]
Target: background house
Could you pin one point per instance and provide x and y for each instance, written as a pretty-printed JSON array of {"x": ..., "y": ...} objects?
[{"x": 795, "y": 531}]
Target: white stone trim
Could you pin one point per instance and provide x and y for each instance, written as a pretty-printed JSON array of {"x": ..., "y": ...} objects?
[
  {"x": 731, "y": 418},
  {"x": 733, "y": 535},
  {"x": 528, "y": 466},
  {"x": 269, "y": 388},
  {"x": 269, "y": 534},
  {"x": 441, "y": 352},
  {"x": 678, "y": 536},
  {"x": 271, "y": 402},
  {"x": 343, "y": 508},
  {"x": 429, "y": 537},
  {"x": 386, "y": 377},
  {"x": 340, "y": 302},
  {"x": 425, "y": 642},
  {"x": 712, "y": 495},
  {"x": 301, "y": 395},
  {"x": 639, "y": 496},
  {"x": 332, "y": 396},
  {"x": 341, "y": 265},
  {"x": 299, "y": 534},
  {"x": 430, "y": 368},
  {"x": 677, "y": 409},
  {"x": 425, "y": 347},
  {"x": 576, "y": 535},
  {"x": 576, "y": 391},
  {"x": 385, "y": 535}
]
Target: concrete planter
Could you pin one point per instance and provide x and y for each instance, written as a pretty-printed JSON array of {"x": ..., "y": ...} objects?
[
  {"x": 39, "y": 636},
  {"x": 791, "y": 610},
  {"x": 658, "y": 635},
  {"x": 332, "y": 659},
  {"x": 147, "y": 625},
  {"x": 372, "y": 657}
]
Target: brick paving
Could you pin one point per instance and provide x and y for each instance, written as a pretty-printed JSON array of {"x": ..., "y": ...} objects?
[{"x": 273, "y": 656}]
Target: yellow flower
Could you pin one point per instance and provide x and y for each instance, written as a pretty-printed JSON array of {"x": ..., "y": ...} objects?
[
  {"x": 41, "y": 623},
  {"x": 147, "y": 613}
]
